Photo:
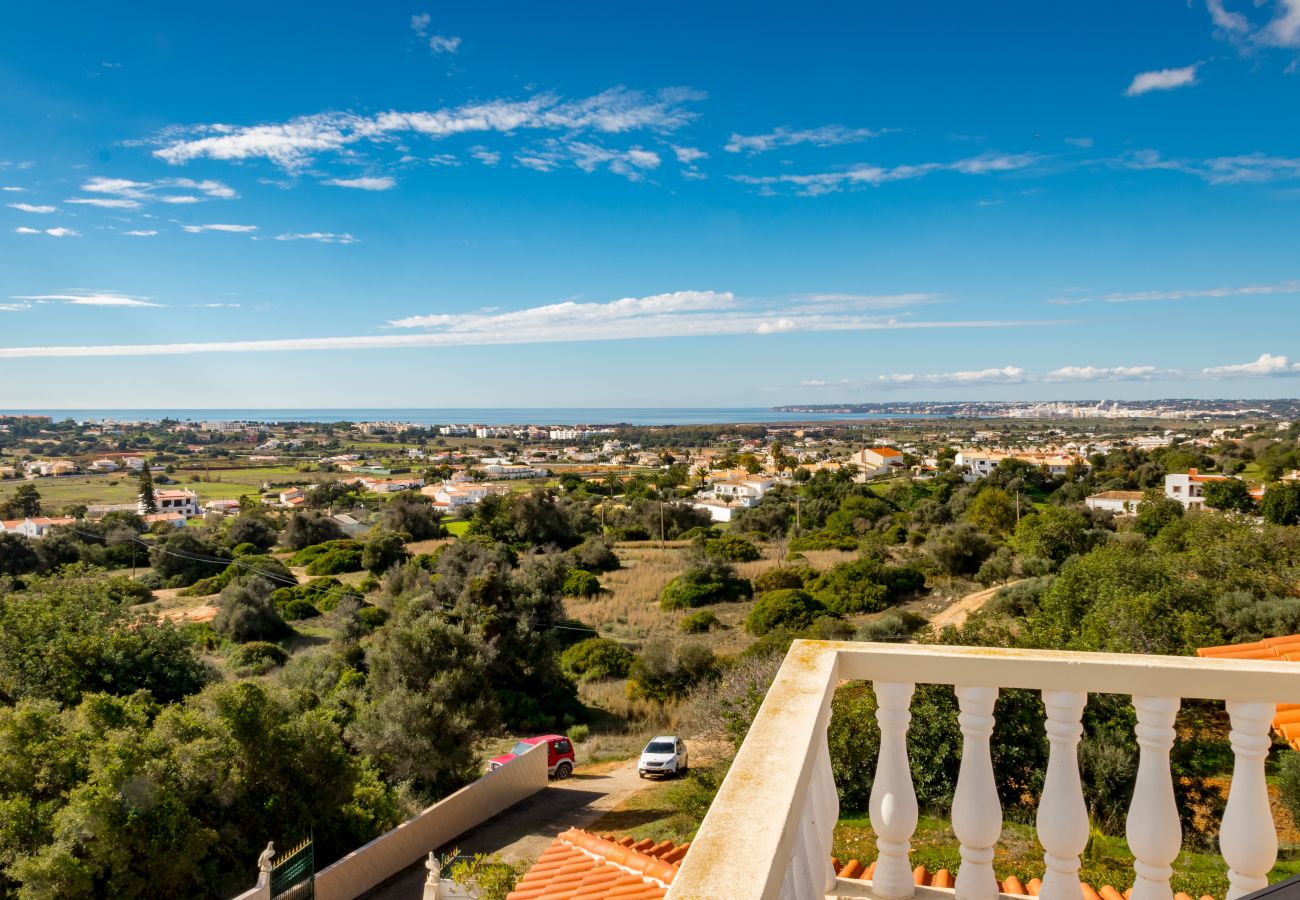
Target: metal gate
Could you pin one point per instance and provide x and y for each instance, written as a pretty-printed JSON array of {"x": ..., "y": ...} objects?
[{"x": 293, "y": 875}]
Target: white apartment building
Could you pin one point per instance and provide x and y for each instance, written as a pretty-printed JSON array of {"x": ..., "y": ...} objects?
[{"x": 1188, "y": 488}]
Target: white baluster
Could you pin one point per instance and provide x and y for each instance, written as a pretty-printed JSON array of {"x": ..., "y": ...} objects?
[
  {"x": 1247, "y": 837},
  {"x": 828, "y": 808},
  {"x": 1154, "y": 833},
  {"x": 1062, "y": 815},
  {"x": 893, "y": 799},
  {"x": 976, "y": 810}
]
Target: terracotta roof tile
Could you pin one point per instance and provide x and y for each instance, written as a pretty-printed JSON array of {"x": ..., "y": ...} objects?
[
  {"x": 1284, "y": 649},
  {"x": 582, "y": 866},
  {"x": 853, "y": 869}
]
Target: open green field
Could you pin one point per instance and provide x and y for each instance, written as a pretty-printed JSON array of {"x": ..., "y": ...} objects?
[{"x": 117, "y": 487}]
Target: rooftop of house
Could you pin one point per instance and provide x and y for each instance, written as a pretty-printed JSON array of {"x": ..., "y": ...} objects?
[
  {"x": 581, "y": 864},
  {"x": 1117, "y": 495},
  {"x": 1285, "y": 648}
]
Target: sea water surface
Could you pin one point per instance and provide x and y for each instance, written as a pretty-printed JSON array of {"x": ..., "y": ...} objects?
[{"x": 477, "y": 416}]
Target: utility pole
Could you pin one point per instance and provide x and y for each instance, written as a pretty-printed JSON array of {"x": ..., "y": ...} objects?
[
  {"x": 798, "y": 504},
  {"x": 661, "y": 524}
]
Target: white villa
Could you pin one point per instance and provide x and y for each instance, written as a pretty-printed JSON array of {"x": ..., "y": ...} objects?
[
  {"x": 1189, "y": 488},
  {"x": 174, "y": 501},
  {"x": 1121, "y": 503}
]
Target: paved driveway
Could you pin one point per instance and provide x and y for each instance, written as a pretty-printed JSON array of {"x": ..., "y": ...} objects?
[{"x": 524, "y": 831}]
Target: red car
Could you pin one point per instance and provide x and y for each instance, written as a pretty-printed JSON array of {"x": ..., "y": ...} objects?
[{"x": 559, "y": 754}]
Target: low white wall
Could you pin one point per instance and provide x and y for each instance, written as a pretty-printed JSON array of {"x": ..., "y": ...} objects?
[{"x": 450, "y": 817}]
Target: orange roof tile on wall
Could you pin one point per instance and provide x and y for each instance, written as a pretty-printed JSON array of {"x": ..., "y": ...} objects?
[{"x": 1285, "y": 648}]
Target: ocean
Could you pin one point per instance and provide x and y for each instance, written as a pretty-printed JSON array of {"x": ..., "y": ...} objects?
[{"x": 478, "y": 416}]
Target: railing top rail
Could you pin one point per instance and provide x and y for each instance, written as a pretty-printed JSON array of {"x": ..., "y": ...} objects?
[{"x": 1061, "y": 670}]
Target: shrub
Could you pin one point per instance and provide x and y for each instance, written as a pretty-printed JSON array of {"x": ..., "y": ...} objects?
[
  {"x": 595, "y": 555},
  {"x": 580, "y": 583},
  {"x": 703, "y": 584},
  {"x": 307, "y": 555},
  {"x": 299, "y": 609},
  {"x": 663, "y": 673},
  {"x": 579, "y": 734},
  {"x": 257, "y": 654},
  {"x": 1288, "y": 781},
  {"x": 894, "y": 625},
  {"x": 247, "y": 612},
  {"x": 699, "y": 622},
  {"x": 335, "y": 561},
  {"x": 245, "y": 549},
  {"x": 732, "y": 547},
  {"x": 790, "y": 609},
  {"x": 823, "y": 542},
  {"x": 371, "y": 617},
  {"x": 383, "y": 550},
  {"x": 595, "y": 659},
  {"x": 865, "y": 584},
  {"x": 127, "y": 591},
  {"x": 780, "y": 579}
]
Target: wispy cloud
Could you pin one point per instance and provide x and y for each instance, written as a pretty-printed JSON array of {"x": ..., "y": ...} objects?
[
  {"x": 52, "y": 232},
  {"x": 371, "y": 183},
  {"x": 864, "y": 175},
  {"x": 234, "y": 229},
  {"x": 438, "y": 43},
  {"x": 88, "y": 298},
  {"x": 1251, "y": 168},
  {"x": 294, "y": 144},
  {"x": 1246, "y": 290},
  {"x": 1162, "y": 80},
  {"x": 122, "y": 193},
  {"x": 1282, "y": 29},
  {"x": 33, "y": 208},
  {"x": 485, "y": 156},
  {"x": 323, "y": 237},
  {"x": 825, "y": 136},
  {"x": 677, "y": 314},
  {"x": 633, "y": 163},
  {"x": 1266, "y": 366},
  {"x": 142, "y": 232}
]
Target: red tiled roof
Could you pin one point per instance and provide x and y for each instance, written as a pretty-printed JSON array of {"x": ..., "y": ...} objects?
[
  {"x": 582, "y": 866},
  {"x": 1287, "y": 649},
  {"x": 1012, "y": 885}
]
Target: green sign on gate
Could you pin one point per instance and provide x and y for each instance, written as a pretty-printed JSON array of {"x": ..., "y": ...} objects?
[{"x": 293, "y": 875}]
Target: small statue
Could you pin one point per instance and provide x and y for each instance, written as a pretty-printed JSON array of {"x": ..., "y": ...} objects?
[
  {"x": 265, "y": 861},
  {"x": 434, "y": 867}
]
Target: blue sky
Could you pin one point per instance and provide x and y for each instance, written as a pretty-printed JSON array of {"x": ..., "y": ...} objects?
[{"x": 564, "y": 205}]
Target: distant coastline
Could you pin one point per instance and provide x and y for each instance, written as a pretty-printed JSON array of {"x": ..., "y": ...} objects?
[{"x": 476, "y": 415}]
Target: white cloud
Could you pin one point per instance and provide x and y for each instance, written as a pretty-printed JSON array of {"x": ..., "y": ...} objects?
[
  {"x": 382, "y": 183},
  {"x": 32, "y": 208},
  {"x": 12, "y": 189},
  {"x": 14, "y": 307},
  {"x": 825, "y": 136},
  {"x": 126, "y": 194},
  {"x": 1251, "y": 168},
  {"x": 688, "y": 155},
  {"x": 88, "y": 298},
  {"x": 295, "y": 143},
  {"x": 485, "y": 156},
  {"x": 1281, "y": 30},
  {"x": 1162, "y": 80},
  {"x": 105, "y": 202},
  {"x": 677, "y": 314},
  {"x": 1266, "y": 365},
  {"x": 441, "y": 43},
  {"x": 1232, "y": 22},
  {"x": 863, "y": 175},
  {"x": 632, "y": 163},
  {"x": 420, "y": 23},
  {"x": 1083, "y": 143},
  {"x": 324, "y": 237},
  {"x": 237, "y": 229},
  {"x": 144, "y": 232},
  {"x": 1246, "y": 290},
  {"x": 52, "y": 232}
]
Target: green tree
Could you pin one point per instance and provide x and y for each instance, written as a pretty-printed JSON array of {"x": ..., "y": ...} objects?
[
  {"x": 25, "y": 503},
  {"x": 1155, "y": 512},
  {"x": 252, "y": 529},
  {"x": 429, "y": 701},
  {"x": 959, "y": 549},
  {"x": 1054, "y": 533},
  {"x": 307, "y": 528},
  {"x": 247, "y": 613},
  {"x": 1230, "y": 494},
  {"x": 1281, "y": 504},
  {"x": 145, "y": 492},
  {"x": 383, "y": 550},
  {"x": 183, "y": 557},
  {"x": 414, "y": 514},
  {"x": 993, "y": 510},
  {"x": 783, "y": 610},
  {"x": 595, "y": 659}
]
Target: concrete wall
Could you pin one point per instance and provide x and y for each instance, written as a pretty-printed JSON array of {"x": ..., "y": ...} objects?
[{"x": 450, "y": 817}]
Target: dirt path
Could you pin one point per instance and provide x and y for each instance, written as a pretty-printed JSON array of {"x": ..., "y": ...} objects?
[
  {"x": 524, "y": 831},
  {"x": 959, "y": 609}
]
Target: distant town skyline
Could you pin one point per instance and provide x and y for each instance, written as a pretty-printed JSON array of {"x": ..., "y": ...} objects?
[{"x": 525, "y": 206}]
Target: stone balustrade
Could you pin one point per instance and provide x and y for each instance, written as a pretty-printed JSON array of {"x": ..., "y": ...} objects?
[{"x": 768, "y": 833}]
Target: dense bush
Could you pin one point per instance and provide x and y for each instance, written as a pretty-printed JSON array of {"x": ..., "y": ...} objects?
[
  {"x": 336, "y": 562},
  {"x": 383, "y": 550},
  {"x": 258, "y": 654},
  {"x": 782, "y": 578},
  {"x": 580, "y": 583},
  {"x": 595, "y": 555},
  {"x": 307, "y": 555},
  {"x": 298, "y": 609},
  {"x": 247, "y": 612},
  {"x": 307, "y": 528},
  {"x": 596, "y": 658},
  {"x": 823, "y": 542},
  {"x": 790, "y": 609},
  {"x": 252, "y": 529},
  {"x": 894, "y": 625},
  {"x": 663, "y": 672},
  {"x": 705, "y": 582},
  {"x": 865, "y": 584},
  {"x": 733, "y": 548},
  {"x": 699, "y": 622}
]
